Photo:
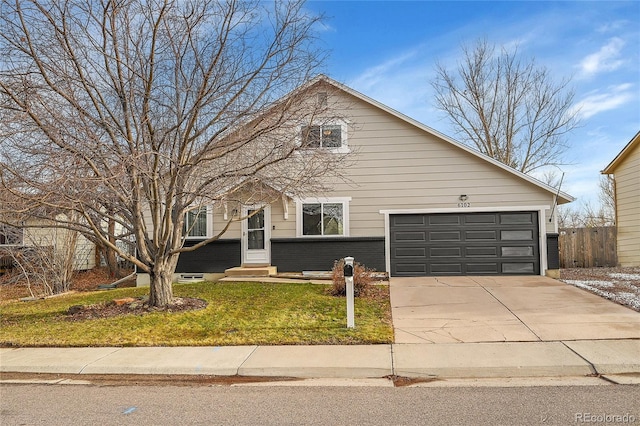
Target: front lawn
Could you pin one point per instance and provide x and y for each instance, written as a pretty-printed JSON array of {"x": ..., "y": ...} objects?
[{"x": 237, "y": 314}]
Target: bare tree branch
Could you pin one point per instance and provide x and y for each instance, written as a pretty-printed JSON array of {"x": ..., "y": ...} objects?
[
  {"x": 127, "y": 114},
  {"x": 508, "y": 109}
]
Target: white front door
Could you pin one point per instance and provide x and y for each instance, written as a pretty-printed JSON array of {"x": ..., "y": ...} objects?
[{"x": 256, "y": 235}]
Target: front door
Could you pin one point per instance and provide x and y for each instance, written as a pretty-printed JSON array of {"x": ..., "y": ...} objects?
[{"x": 256, "y": 235}]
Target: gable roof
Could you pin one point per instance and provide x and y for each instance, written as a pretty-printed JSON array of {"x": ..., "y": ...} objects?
[
  {"x": 633, "y": 143},
  {"x": 562, "y": 197}
]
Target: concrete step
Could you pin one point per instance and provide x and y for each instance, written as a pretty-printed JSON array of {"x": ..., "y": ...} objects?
[{"x": 251, "y": 271}]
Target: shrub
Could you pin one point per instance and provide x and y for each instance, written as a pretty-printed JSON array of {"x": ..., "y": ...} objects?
[{"x": 363, "y": 278}]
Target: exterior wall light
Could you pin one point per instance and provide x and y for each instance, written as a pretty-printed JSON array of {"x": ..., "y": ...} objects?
[{"x": 463, "y": 198}]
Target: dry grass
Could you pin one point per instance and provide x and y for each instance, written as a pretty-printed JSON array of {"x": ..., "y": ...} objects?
[
  {"x": 237, "y": 314},
  {"x": 11, "y": 287}
]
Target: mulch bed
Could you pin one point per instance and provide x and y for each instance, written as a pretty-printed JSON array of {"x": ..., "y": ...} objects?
[{"x": 131, "y": 306}]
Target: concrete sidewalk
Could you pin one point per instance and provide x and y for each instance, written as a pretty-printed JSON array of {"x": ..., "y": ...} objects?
[{"x": 459, "y": 360}]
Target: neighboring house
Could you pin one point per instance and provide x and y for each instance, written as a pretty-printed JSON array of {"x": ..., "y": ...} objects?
[
  {"x": 625, "y": 169},
  {"x": 41, "y": 233},
  {"x": 414, "y": 203}
]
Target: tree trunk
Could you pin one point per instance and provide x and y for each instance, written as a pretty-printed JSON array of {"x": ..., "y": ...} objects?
[
  {"x": 109, "y": 254},
  {"x": 161, "y": 289}
]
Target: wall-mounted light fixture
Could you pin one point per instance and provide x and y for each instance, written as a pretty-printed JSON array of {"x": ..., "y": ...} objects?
[{"x": 463, "y": 198}]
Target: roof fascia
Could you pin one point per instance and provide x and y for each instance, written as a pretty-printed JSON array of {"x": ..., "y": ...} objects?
[{"x": 621, "y": 155}]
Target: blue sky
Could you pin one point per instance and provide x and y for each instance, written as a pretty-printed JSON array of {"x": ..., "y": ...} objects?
[{"x": 387, "y": 50}]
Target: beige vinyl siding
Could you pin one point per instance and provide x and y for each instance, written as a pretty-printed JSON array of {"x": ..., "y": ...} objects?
[
  {"x": 39, "y": 233},
  {"x": 396, "y": 165},
  {"x": 399, "y": 166},
  {"x": 627, "y": 178},
  {"x": 283, "y": 228}
]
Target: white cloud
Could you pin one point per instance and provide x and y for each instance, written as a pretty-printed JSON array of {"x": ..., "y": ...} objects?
[
  {"x": 605, "y": 59},
  {"x": 382, "y": 72},
  {"x": 614, "y": 26},
  {"x": 596, "y": 102}
]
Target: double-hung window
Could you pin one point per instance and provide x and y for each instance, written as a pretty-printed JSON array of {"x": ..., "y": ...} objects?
[
  {"x": 196, "y": 223},
  {"x": 323, "y": 217},
  {"x": 330, "y": 136}
]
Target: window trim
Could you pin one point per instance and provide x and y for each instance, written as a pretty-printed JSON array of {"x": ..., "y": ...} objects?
[
  {"x": 343, "y": 148},
  {"x": 323, "y": 200},
  {"x": 209, "y": 224}
]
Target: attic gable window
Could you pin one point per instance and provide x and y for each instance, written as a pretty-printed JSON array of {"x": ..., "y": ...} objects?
[
  {"x": 331, "y": 136},
  {"x": 322, "y": 136}
]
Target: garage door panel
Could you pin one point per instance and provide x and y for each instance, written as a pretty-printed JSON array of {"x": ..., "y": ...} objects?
[
  {"x": 412, "y": 252},
  {"x": 480, "y": 219},
  {"x": 447, "y": 252},
  {"x": 464, "y": 244},
  {"x": 445, "y": 268},
  {"x": 410, "y": 220},
  {"x": 443, "y": 220},
  {"x": 483, "y": 268},
  {"x": 410, "y": 269},
  {"x": 481, "y": 235},
  {"x": 445, "y": 236},
  {"x": 406, "y": 236},
  {"x": 481, "y": 252}
]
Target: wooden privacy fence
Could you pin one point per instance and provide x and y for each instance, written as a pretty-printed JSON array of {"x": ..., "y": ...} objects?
[{"x": 588, "y": 247}]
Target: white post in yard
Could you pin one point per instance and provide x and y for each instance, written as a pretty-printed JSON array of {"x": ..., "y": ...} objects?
[{"x": 348, "y": 278}]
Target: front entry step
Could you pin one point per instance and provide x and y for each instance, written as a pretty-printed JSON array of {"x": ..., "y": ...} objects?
[{"x": 251, "y": 271}]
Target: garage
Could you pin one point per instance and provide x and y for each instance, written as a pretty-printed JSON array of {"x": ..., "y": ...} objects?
[{"x": 480, "y": 243}]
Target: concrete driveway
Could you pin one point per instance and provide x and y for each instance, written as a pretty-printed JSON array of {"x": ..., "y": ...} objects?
[{"x": 503, "y": 309}]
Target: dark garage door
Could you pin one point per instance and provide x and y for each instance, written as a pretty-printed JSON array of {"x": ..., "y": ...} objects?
[{"x": 500, "y": 243}]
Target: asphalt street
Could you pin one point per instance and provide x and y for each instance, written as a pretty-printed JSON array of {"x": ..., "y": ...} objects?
[{"x": 324, "y": 405}]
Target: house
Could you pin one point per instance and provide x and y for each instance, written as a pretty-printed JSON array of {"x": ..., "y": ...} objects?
[
  {"x": 414, "y": 202},
  {"x": 54, "y": 243},
  {"x": 625, "y": 169}
]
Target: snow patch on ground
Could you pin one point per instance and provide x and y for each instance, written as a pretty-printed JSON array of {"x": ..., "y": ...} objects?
[
  {"x": 631, "y": 299},
  {"x": 588, "y": 284},
  {"x": 628, "y": 277}
]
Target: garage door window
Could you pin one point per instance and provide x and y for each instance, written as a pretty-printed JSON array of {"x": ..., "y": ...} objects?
[{"x": 517, "y": 251}]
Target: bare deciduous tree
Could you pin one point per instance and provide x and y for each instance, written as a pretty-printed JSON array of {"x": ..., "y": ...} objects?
[
  {"x": 506, "y": 108},
  {"x": 135, "y": 112},
  {"x": 588, "y": 215}
]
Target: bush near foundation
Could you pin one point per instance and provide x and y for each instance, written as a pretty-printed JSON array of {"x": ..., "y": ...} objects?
[{"x": 363, "y": 278}]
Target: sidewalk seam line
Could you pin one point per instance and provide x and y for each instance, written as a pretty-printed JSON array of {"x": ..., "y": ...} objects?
[
  {"x": 393, "y": 365},
  {"x": 591, "y": 366},
  {"x": 99, "y": 359},
  {"x": 508, "y": 309},
  {"x": 246, "y": 359}
]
